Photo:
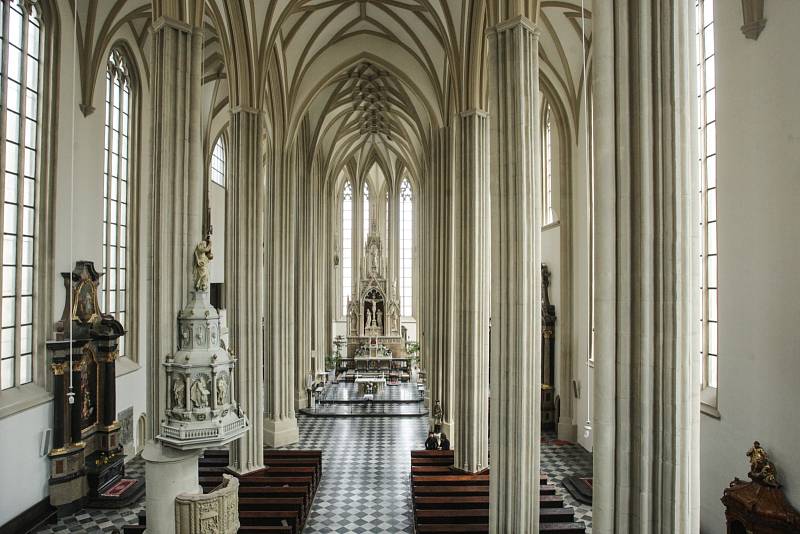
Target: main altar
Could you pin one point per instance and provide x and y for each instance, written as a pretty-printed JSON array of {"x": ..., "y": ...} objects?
[{"x": 375, "y": 344}]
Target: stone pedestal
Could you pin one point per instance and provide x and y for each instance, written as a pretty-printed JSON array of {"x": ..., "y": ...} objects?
[
  {"x": 280, "y": 432},
  {"x": 168, "y": 472}
]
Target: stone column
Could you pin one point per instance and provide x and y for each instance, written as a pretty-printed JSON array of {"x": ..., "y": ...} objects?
[
  {"x": 177, "y": 188},
  {"x": 437, "y": 309},
  {"x": 280, "y": 424},
  {"x": 516, "y": 277},
  {"x": 302, "y": 286},
  {"x": 470, "y": 294},
  {"x": 59, "y": 405},
  {"x": 244, "y": 272},
  {"x": 168, "y": 472},
  {"x": 646, "y": 394}
]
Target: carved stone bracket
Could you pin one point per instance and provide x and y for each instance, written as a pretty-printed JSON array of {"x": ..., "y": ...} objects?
[{"x": 753, "y": 15}]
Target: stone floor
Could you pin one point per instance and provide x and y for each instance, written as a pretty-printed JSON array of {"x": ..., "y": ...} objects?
[{"x": 365, "y": 485}]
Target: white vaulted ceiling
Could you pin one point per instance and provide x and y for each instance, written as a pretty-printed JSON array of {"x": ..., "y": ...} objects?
[{"x": 303, "y": 59}]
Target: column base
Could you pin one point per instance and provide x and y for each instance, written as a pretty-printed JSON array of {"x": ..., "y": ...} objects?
[
  {"x": 168, "y": 472},
  {"x": 301, "y": 400},
  {"x": 447, "y": 428},
  {"x": 278, "y": 433},
  {"x": 567, "y": 431}
]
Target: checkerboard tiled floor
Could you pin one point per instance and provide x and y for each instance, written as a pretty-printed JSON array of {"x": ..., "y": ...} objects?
[
  {"x": 562, "y": 459},
  {"x": 93, "y": 521},
  {"x": 365, "y": 483},
  {"x": 366, "y": 468}
]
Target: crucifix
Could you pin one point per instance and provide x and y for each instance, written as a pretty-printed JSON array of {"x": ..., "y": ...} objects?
[{"x": 374, "y": 308}]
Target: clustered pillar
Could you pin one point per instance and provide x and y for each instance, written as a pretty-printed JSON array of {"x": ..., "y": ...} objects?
[
  {"x": 470, "y": 295},
  {"x": 646, "y": 475},
  {"x": 516, "y": 278},
  {"x": 244, "y": 272},
  {"x": 280, "y": 423},
  {"x": 435, "y": 314},
  {"x": 177, "y": 188}
]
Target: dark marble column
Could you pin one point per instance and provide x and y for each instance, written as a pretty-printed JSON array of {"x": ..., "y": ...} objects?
[
  {"x": 75, "y": 408},
  {"x": 59, "y": 404}
]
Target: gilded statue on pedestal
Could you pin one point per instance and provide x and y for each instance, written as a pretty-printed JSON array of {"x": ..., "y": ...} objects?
[
  {"x": 202, "y": 257},
  {"x": 761, "y": 468}
]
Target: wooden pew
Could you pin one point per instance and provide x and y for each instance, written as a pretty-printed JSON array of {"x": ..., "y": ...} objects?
[{"x": 445, "y": 500}]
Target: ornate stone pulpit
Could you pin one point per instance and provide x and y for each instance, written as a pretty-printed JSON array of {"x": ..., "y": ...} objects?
[{"x": 201, "y": 405}]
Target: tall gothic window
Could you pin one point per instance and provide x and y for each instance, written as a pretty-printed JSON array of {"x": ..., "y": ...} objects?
[
  {"x": 406, "y": 246},
  {"x": 366, "y": 212},
  {"x": 347, "y": 244},
  {"x": 20, "y": 41},
  {"x": 217, "y": 170},
  {"x": 547, "y": 183},
  {"x": 706, "y": 93},
  {"x": 115, "y": 188}
]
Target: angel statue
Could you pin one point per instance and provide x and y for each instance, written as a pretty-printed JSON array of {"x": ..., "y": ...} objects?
[{"x": 202, "y": 257}]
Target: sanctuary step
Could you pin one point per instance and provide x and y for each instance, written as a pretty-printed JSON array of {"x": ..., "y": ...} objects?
[
  {"x": 276, "y": 499},
  {"x": 445, "y": 500}
]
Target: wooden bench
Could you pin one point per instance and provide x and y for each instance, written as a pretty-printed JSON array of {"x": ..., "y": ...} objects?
[
  {"x": 271, "y": 518},
  {"x": 445, "y": 500}
]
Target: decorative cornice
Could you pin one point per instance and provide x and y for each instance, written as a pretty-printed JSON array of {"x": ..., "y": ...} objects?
[{"x": 753, "y": 18}]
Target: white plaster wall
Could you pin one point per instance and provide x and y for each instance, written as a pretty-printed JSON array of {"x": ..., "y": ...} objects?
[
  {"x": 581, "y": 371},
  {"x": 759, "y": 301},
  {"x": 78, "y": 213},
  {"x": 25, "y": 472}
]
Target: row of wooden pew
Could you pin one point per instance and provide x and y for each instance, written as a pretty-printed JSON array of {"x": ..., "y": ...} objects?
[
  {"x": 452, "y": 502},
  {"x": 276, "y": 499}
]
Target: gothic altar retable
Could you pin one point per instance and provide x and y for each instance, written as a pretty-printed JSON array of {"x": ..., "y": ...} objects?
[{"x": 374, "y": 338}]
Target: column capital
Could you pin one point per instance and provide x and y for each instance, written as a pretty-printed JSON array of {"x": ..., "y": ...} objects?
[
  {"x": 247, "y": 109},
  {"x": 175, "y": 24},
  {"x": 512, "y": 23},
  {"x": 474, "y": 113}
]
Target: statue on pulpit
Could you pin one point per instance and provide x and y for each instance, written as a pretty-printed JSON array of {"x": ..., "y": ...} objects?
[{"x": 202, "y": 257}]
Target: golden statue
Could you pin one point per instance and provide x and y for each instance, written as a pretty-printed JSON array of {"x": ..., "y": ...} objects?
[
  {"x": 202, "y": 257},
  {"x": 761, "y": 469}
]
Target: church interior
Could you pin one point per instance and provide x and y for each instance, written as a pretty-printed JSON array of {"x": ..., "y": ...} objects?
[{"x": 399, "y": 266}]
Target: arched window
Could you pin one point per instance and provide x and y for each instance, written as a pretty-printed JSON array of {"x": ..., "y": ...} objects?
[
  {"x": 547, "y": 184},
  {"x": 347, "y": 244},
  {"x": 708, "y": 190},
  {"x": 406, "y": 247},
  {"x": 366, "y": 212},
  {"x": 217, "y": 171},
  {"x": 116, "y": 216},
  {"x": 21, "y": 43}
]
